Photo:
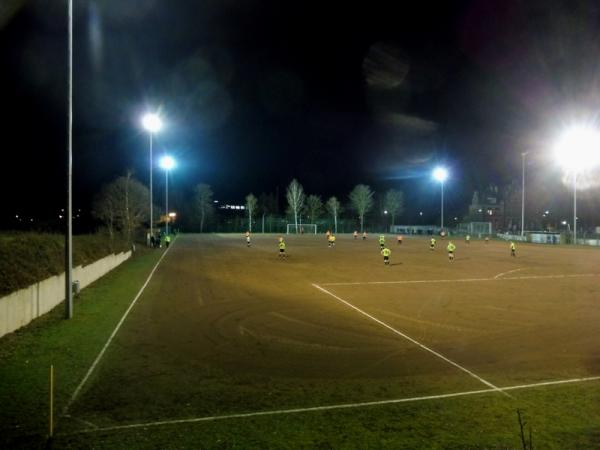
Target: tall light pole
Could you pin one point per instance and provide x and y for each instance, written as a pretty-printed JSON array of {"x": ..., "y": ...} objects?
[
  {"x": 523, "y": 197},
  {"x": 152, "y": 123},
  {"x": 167, "y": 163},
  {"x": 577, "y": 150},
  {"x": 69, "y": 212},
  {"x": 441, "y": 174}
]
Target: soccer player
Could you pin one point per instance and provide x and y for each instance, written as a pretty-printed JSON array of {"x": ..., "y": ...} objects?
[
  {"x": 386, "y": 252},
  {"x": 432, "y": 244},
  {"x": 381, "y": 241},
  {"x": 281, "y": 248},
  {"x": 468, "y": 239},
  {"x": 167, "y": 240},
  {"x": 399, "y": 239},
  {"x": 331, "y": 240},
  {"x": 513, "y": 249},
  {"x": 247, "y": 239},
  {"x": 355, "y": 234},
  {"x": 451, "y": 248},
  {"x": 364, "y": 235},
  {"x": 487, "y": 239},
  {"x": 327, "y": 235}
]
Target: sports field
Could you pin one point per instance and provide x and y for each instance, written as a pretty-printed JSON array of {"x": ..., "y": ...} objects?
[{"x": 223, "y": 334}]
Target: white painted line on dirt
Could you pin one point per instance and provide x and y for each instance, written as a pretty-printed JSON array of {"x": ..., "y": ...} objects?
[
  {"x": 408, "y": 338},
  {"x": 110, "y": 338},
  {"x": 463, "y": 280},
  {"x": 329, "y": 407},
  {"x": 506, "y": 273}
]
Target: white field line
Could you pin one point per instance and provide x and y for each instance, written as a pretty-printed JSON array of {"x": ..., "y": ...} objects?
[
  {"x": 330, "y": 407},
  {"x": 110, "y": 338},
  {"x": 506, "y": 273},
  {"x": 463, "y": 280},
  {"x": 408, "y": 338}
]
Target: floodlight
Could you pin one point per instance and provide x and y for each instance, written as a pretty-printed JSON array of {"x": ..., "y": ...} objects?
[
  {"x": 440, "y": 174},
  {"x": 167, "y": 162},
  {"x": 172, "y": 214},
  {"x": 578, "y": 148},
  {"x": 152, "y": 122}
]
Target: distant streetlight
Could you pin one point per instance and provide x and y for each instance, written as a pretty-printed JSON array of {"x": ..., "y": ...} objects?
[
  {"x": 167, "y": 163},
  {"x": 441, "y": 175},
  {"x": 152, "y": 123},
  {"x": 577, "y": 149}
]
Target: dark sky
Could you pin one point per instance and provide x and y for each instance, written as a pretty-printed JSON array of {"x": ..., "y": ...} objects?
[{"x": 254, "y": 93}]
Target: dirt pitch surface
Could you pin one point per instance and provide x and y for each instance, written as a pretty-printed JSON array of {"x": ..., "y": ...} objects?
[{"x": 222, "y": 329}]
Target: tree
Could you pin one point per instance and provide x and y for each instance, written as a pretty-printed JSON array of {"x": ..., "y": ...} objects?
[
  {"x": 251, "y": 203},
  {"x": 203, "y": 201},
  {"x": 314, "y": 206},
  {"x": 334, "y": 208},
  {"x": 295, "y": 198},
  {"x": 361, "y": 198},
  {"x": 123, "y": 205},
  {"x": 267, "y": 204},
  {"x": 105, "y": 208},
  {"x": 393, "y": 203}
]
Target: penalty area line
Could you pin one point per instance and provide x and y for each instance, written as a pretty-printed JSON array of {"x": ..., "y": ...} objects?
[
  {"x": 465, "y": 280},
  {"x": 327, "y": 407},
  {"x": 408, "y": 338},
  {"x": 113, "y": 334}
]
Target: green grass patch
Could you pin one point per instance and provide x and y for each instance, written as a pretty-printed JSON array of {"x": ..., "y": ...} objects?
[
  {"x": 71, "y": 346},
  {"x": 559, "y": 417},
  {"x": 26, "y": 258}
]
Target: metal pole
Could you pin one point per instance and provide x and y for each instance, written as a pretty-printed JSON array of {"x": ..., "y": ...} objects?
[
  {"x": 523, "y": 198},
  {"x": 69, "y": 218},
  {"x": 151, "y": 211},
  {"x": 575, "y": 208},
  {"x": 442, "y": 217},
  {"x": 167, "y": 202}
]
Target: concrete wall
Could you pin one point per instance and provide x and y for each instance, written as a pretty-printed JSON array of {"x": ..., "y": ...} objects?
[{"x": 21, "y": 307}]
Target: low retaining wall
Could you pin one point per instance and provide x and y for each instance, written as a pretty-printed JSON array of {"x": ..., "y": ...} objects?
[{"x": 21, "y": 307}]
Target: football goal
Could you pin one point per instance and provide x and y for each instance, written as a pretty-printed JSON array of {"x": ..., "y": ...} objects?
[{"x": 302, "y": 228}]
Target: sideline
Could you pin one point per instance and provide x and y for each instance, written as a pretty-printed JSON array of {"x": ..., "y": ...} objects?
[
  {"x": 408, "y": 338},
  {"x": 327, "y": 407},
  {"x": 506, "y": 273},
  {"x": 110, "y": 338}
]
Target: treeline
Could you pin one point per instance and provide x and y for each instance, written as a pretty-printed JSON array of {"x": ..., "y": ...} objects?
[{"x": 123, "y": 207}]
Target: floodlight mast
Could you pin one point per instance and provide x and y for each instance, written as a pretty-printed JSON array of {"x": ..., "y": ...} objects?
[
  {"x": 523, "y": 155},
  {"x": 153, "y": 124},
  {"x": 441, "y": 174},
  {"x": 578, "y": 149},
  {"x": 167, "y": 163}
]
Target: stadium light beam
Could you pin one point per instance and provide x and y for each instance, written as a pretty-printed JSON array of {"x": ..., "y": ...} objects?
[
  {"x": 153, "y": 124},
  {"x": 167, "y": 163},
  {"x": 578, "y": 149},
  {"x": 441, "y": 175}
]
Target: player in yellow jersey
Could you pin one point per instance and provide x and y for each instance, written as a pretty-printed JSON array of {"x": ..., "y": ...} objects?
[
  {"x": 386, "y": 252},
  {"x": 451, "y": 248}
]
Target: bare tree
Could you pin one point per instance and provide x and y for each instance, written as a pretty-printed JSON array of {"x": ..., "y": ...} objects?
[
  {"x": 361, "y": 198},
  {"x": 314, "y": 206},
  {"x": 251, "y": 203},
  {"x": 105, "y": 208},
  {"x": 123, "y": 205},
  {"x": 393, "y": 202},
  {"x": 334, "y": 208},
  {"x": 203, "y": 195},
  {"x": 295, "y": 198}
]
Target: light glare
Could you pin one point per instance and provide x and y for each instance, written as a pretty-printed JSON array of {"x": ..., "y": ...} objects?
[
  {"x": 440, "y": 174},
  {"x": 152, "y": 122},
  {"x": 578, "y": 148},
  {"x": 167, "y": 162}
]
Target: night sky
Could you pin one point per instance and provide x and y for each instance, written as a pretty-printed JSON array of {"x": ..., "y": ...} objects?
[{"x": 254, "y": 93}]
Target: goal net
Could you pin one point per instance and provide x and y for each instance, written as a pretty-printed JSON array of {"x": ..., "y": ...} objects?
[
  {"x": 304, "y": 228},
  {"x": 476, "y": 228}
]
